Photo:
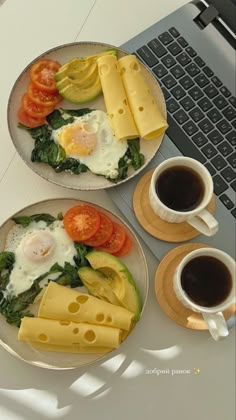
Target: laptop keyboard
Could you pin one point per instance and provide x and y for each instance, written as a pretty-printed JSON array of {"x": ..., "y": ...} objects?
[{"x": 201, "y": 110}]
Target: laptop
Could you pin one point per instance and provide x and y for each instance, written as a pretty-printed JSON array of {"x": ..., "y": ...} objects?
[{"x": 191, "y": 53}]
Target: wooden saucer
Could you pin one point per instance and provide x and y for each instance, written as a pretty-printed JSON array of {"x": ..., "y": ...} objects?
[
  {"x": 169, "y": 232},
  {"x": 165, "y": 294}
]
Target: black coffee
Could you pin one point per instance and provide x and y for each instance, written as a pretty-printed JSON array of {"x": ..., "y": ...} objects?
[
  {"x": 180, "y": 188},
  {"x": 206, "y": 280}
]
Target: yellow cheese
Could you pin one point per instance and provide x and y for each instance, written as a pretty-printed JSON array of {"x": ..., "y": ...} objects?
[
  {"x": 60, "y": 302},
  {"x": 148, "y": 118},
  {"x": 66, "y": 333},
  {"x": 69, "y": 349},
  {"x": 115, "y": 98}
]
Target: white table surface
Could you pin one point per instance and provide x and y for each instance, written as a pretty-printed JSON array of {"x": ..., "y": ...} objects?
[{"x": 126, "y": 385}]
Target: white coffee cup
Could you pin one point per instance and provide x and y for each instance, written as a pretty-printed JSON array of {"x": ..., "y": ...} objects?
[
  {"x": 199, "y": 217},
  {"x": 212, "y": 314}
]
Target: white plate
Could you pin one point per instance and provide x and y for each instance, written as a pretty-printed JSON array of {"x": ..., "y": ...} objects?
[
  {"x": 24, "y": 143},
  {"x": 135, "y": 262}
]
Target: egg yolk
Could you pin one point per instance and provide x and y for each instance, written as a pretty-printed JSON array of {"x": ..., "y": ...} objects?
[
  {"x": 38, "y": 246},
  {"x": 78, "y": 140}
]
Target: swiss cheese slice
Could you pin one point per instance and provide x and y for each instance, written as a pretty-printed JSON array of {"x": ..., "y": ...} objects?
[
  {"x": 62, "y": 303},
  {"x": 147, "y": 116},
  {"x": 117, "y": 107},
  {"x": 69, "y": 334}
]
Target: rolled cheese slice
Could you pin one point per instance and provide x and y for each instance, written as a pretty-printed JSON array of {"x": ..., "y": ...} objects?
[
  {"x": 60, "y": 302},
  {"x": 148, "y": 118},
  {"x": 117, "y": 107},
  {"x": 69, "y": 349},
  {"x": 66, "y": 333}
]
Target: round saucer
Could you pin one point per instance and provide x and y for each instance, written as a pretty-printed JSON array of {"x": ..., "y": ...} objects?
[
  {"x": 169, "y": 232},
  {"x": 165, "y": 294}
]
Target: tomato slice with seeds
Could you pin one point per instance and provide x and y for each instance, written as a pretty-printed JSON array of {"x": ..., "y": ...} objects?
[
  {"x": 29, "y": 121},
  {"x": 82, "y": 222},
  {"x": 126, "y": 248},
  {"x": 42, "y": 74},
  {"x": 42, "y": 98},
  {"x": 104, "y": 233},
  {"x": 34, "y": 110},
  {"x": 116, "y": 241}
]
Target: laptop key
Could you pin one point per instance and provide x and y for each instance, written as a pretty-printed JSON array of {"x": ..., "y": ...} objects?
[
  {"x": 177, "y": 71},
  {"x": 232, "y": 160},
  {"x": 232, "y": 100},
  {"x": 169, "y": 81},
  {"x": 168, "y": 60},
  {"x": 191, "y": 51},
  {"x": 233, "y": 212},
  {"x": 209, "y": 150},
  {"x": 205, "y": 104},
  {"x": 233, "y": 185},
  {"x": 182, "y": 42},
  {"x": 225, "y": 91},
  {"x": 210, "y": 168},
  {"x": 165, "y": 38},
  {"x": 217, "y": 82},
  {"x": 220, "y": 185},
  {"x": 199, "y": 139},
  {"x": 229, "y": 113},
  {"x": 186, "y": 82},
  {"x": 192, "y": 69},
  {"x": 195, "y": 93},
  {"x": 173, "y": 31},
  {"x": 187, "y": 103},
  {"x": 174, "y": 48},
  {"x": 190, "y": 128},
  {"x": 172, "y": 105},
  {"x": 148, "y": 57},
  {"x": 215, "y": 137},
  {"x": 231, "y": 137},
  {"x": 181, "y": 116},
  {"x": 165, "y": 93},
  {"x": 208, "y": 71},
  {"x": 225, "y": 149},
  {"x": 196, "y": 114},
  {"x": 233, "y": 123},
  {"x": 206, "y": 125},
  {"x": 223, "y": 126},
  {"x": 182, "y": 141},
  {"x": 220, "y": 102},
  {"x": 178, "y": 92},
  {"x": 199, "y": 61},
  {"x": 157, "y": 48},
  {"x": 214, "y": 115},
  {"x": 160, "y": 70},
  {"x": 226, "y": 201},
  {"x": 228, "y": 174},
  {"x": 183, "y": 59},
  {"x": 219, "y": 162},
  {"x": 202, "y": 80},
  {"x": 210, "y": 91}
]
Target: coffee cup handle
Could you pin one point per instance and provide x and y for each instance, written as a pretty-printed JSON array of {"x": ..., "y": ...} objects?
[
  {"x": 216, "y": 324},
  {"x": 205, "y": 223}
]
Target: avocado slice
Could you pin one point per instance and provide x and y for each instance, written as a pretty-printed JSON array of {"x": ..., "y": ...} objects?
[
  {"x": 119, "y": 279},
  {"x": 97, "y": 284},
  {"x": 78, "y": 94}
]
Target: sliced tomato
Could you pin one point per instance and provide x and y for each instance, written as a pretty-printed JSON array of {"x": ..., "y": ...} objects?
[
  {"x": 42, "y": 74},
  {"x": 116, "y": 241},
  {"x": 28, "y": 121},
  {"x": 104, "y": 233},
  {"x": 82, "y": 222},
  {"x": 34, "y": 110},
  {"x": 126, "y": 248},
  {"x": 42, "y": 98}
]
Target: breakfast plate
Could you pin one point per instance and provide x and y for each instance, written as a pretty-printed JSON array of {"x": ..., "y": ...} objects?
[
  {"x": 134, "y": 260},
  {"x": 24, "y": 143}
]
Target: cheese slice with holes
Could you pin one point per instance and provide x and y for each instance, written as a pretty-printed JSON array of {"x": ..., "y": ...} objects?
[
  {"x": 67, "y": 333},
  {"x": 117, "y": 107},
  {"x": 63, "y": 303},
  {"x": 147, "y": 116},
  {"x": 69, "y": 349}
]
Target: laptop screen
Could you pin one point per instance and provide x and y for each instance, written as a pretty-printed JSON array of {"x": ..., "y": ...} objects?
[{"x": 227, "y": 11}]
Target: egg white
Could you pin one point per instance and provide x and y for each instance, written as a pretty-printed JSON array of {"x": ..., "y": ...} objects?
[
  {"x": 103, "y": 160},
  {"x": 24, "y": 243}
]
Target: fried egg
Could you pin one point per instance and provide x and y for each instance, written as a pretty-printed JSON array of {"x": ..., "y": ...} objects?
[
  {"x": 37, "y": 248},
  {"x": 91, "y": 140}
]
